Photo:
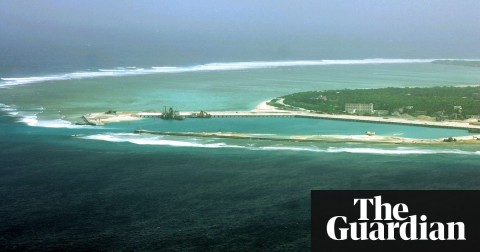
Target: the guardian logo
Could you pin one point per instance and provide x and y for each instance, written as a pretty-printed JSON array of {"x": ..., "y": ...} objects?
[
  {"x": 395, "y": 220},
  {"x": 390, "y": 222}
]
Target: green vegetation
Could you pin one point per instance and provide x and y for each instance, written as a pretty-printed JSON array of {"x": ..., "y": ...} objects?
[
  {"x": 450, "y": 139},
  {"x": 439, "y": 102},
  {"x": 470, "y": 63},
  {"x": 274, "y": 103}
]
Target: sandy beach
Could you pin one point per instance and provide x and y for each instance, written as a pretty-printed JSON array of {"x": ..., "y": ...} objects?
[
  {"x": 263, "y": 109},
  {"x": 104, "y": 118},
  {"x": 396, "y": 120}
]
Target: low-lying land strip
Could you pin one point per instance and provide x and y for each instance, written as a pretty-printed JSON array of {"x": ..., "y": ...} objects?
[
  {"x": 434, "y": 103},
  {"x": 316, "y": 138},
  {"x": 447, "y": 107},
  {"x": 100, "y": 118}
]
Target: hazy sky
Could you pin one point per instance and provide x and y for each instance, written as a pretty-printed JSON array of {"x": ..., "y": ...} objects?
[{"x": 113, "y": 32}]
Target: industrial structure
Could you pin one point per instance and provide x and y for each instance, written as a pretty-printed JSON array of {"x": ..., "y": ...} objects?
[{"x": 171, "y": 114}]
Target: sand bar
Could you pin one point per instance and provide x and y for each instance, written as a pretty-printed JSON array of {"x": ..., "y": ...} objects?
[{"x": 315, "y": 138}]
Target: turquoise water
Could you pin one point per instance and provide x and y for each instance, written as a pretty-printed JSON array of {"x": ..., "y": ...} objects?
[
  {"x": 67, "y": 186},
  {"x": 62, "y": 192},
  {"x": 220, "y": 90},
  {"x": 292, "y": 126}
]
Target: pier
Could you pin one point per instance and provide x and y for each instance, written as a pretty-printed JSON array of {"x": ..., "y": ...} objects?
[
  {"x": 221, "y": 114},
  {"x": 312, "y": 115},
  {"x": 102, "y": 118}
]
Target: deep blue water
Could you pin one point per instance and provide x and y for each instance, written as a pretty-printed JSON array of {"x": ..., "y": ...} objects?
[
  {"x": 105, "y": 188},
  {"x": 59, "y": 192}
]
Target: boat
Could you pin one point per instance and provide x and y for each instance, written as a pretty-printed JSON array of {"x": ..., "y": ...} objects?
[
  {"x": 171, "y": 114},
  {"x": 369, "y": 133}
]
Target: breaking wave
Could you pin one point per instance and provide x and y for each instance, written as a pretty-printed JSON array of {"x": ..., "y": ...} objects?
[
  {"x": 56, "y": 123},
  {"x": 127, "y": 71},
  {"x": 402, "y": 151},
  {"x": 153, "y": 140},
  {"x": 30, "y": 118},
  {"x": 180, "y": 142}
]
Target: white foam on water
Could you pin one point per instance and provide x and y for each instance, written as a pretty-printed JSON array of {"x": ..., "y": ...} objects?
[
  {"x": 7, "y": 109},
  {"x": 158, "y": 140},
  {"x": 229, "y": 66},
  {"x": 401, "y": 151},
  {"x": 289, "y": 148},
  {"x": 30, "y": 118},
  {"x": 375, "y": 151},
  {"x": 153, "y": 140},
  {"x": 56, "y": 123}
]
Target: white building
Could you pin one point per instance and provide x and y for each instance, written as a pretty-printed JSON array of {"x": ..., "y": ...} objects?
[{"x": 359, "y": 108}]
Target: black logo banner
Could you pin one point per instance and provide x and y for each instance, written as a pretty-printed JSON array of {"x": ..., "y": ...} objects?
[{"x": 395, "y": 220}]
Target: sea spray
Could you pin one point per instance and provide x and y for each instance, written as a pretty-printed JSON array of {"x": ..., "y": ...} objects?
[
  {"x": 30, "y": 118},
  {"x": 254, "y": 146}
]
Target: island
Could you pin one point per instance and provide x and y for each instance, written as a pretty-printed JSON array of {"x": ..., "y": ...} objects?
[
  {"x": 433, "y": 103},
  {"x": 446, "y": 107}
]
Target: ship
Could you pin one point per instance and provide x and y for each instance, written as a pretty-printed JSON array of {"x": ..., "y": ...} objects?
[{"x": 171, "y": 114}]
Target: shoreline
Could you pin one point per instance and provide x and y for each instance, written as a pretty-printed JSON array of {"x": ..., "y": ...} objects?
[
  {"x": 462, "y": 140},
  {"x": 263, "y": 109},
  {"x": 372, "y": 119}
]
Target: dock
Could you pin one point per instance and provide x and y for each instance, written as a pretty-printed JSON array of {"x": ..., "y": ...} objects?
[
  {"x": 221, "y": 114},
  {"x": 102, "y": 118},
  {"x": 312, "y": 115}
]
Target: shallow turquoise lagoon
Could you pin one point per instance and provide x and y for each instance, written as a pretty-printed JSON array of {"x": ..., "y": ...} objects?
[{"x": 291, "y": 126}]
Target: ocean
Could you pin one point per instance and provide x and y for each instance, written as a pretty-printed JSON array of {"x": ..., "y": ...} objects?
[{"x": 83, "y": 187}]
